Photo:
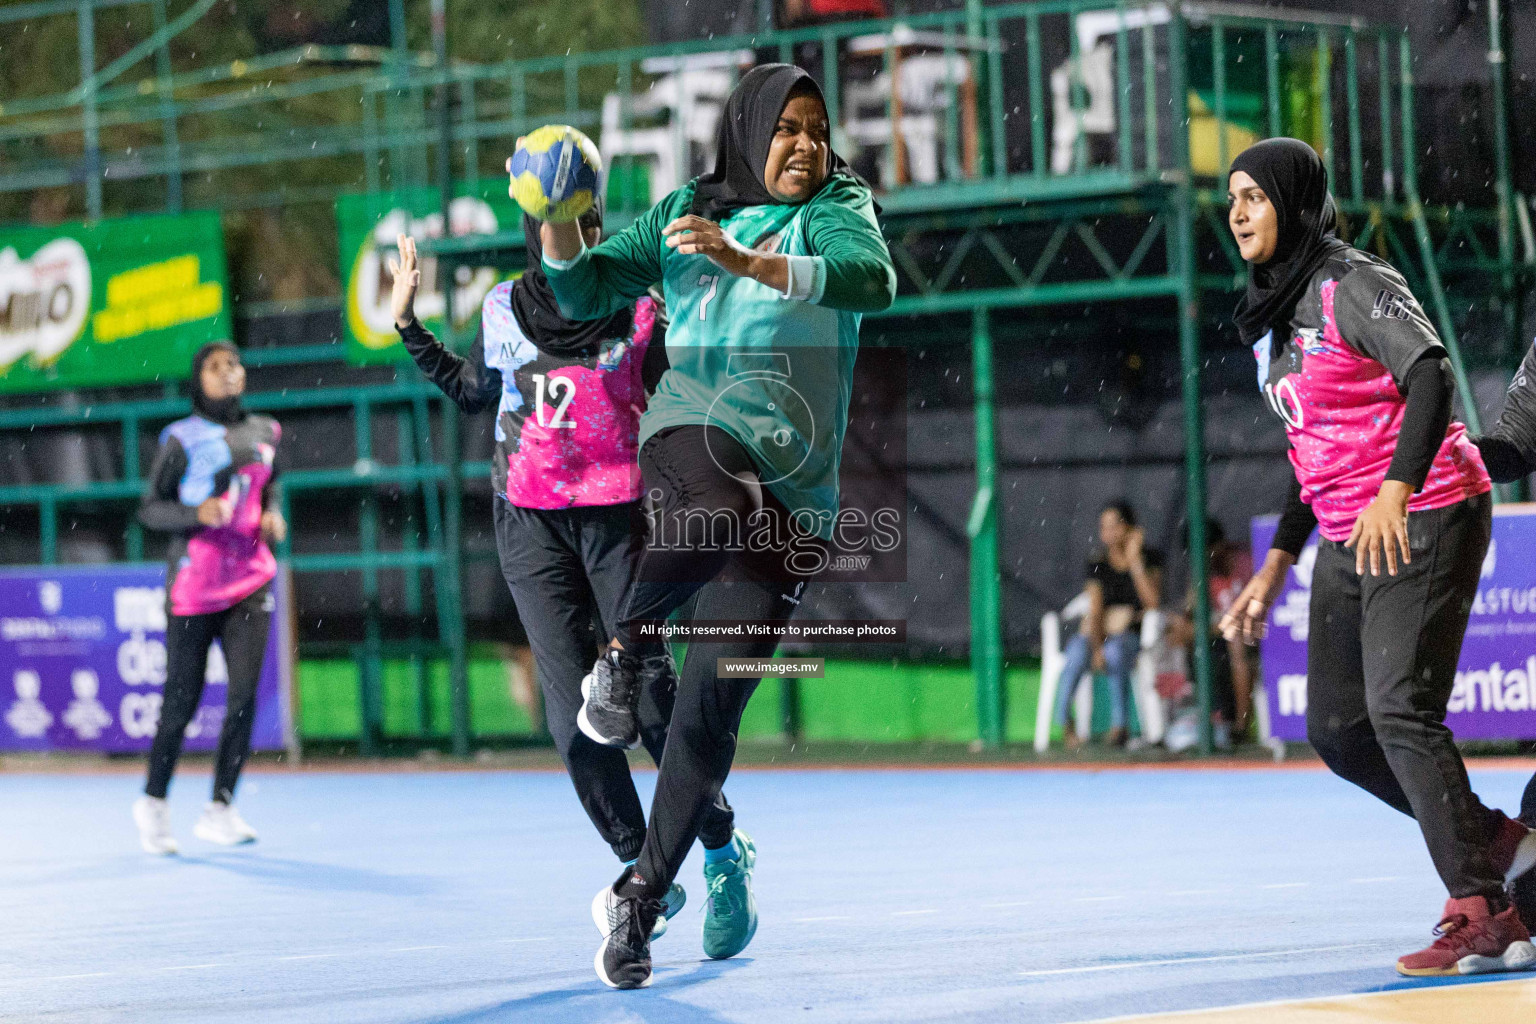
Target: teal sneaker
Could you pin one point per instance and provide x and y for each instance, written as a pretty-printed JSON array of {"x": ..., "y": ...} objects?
[
  {"x": 671, "y": 903},
  {"x": 730, "y": 916}
]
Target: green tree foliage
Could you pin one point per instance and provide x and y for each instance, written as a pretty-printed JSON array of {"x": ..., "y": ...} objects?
[{"x": 277, "y": 249}]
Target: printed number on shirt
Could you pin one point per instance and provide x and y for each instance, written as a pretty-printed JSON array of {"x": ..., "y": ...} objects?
[
  {"x": 713, "y": 280},
  {"x": 563, "y": 391},
  {"x": 1284, "y": 401}
]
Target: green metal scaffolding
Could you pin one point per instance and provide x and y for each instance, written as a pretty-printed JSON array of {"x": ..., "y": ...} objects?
[{"x": 1135, "y": 215}]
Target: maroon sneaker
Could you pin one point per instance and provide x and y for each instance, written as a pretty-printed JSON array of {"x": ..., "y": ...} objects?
[
  {"x": 1473, "y": 941},
  {"x": 1513, "y": 850}
]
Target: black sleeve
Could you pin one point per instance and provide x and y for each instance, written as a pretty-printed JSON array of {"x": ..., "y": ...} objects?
[
  {"x": 1378, "y": 315},
  {"x": 1509, "y": 451},
  {"x": 1296, "y": 523},
  {"x": 468, "y": 383},
  {"x": 1428, "y": 390},
  {"x": 1505, "y": 462},
  {"x": 160, "y": 507},
  {"x": 655, "y": 363}
]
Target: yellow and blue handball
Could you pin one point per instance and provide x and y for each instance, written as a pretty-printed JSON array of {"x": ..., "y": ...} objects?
[{"x": 555, "y": 173}]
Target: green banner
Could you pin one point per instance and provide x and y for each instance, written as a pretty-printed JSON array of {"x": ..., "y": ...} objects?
[
  {"x": 367, "y": 226},
  {"x": 114, "y": 302}
]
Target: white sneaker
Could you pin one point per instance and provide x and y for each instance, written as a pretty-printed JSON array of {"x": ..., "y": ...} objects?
[
  {"x": 222, "y": 824},
  {"x": 154, "y": 820}
]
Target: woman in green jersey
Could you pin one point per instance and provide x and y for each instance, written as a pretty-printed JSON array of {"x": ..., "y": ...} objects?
[{"x": 767, "y": 264}]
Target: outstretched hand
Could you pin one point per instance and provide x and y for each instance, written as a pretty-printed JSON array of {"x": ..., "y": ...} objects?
[
  {"x": 1248, "y": 617},
  {"x": 406, "y": 272},
  {"x": 693, "y": 234}
]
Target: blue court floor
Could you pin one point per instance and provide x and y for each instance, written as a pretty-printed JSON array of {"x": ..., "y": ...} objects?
[{"x": 886, "y": 896}]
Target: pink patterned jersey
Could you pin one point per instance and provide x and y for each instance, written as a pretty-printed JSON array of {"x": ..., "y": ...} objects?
[
  {"x": 214, "y": 568},
  {"x": 1335, "y": 384},
  {"x": 567, "y": 427}
]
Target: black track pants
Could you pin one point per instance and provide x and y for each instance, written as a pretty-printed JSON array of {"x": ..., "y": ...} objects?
[
  {"x": 1381, "y": 664},
  {"x": 695, "y": 474},
  {"x": 702, "y": 741},
  {"x": 569, "y": 571},
  {"x": 242, "y": 631}
]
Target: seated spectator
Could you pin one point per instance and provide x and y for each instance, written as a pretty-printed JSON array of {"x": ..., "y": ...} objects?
[
  {"x": 1122, "y": 582},
  {"x": 1232, "y": 666}
]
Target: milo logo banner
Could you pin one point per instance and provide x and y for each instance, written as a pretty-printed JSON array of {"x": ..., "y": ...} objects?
[
  {"x": 367, "y": 228},
  {"x": 114, "y": 302},
  {"x": 1495, "y": 694},
  {"x": 82, "y": 662}
]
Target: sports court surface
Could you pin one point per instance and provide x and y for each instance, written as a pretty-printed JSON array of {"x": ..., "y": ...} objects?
[{"x": 886, "y": 896}]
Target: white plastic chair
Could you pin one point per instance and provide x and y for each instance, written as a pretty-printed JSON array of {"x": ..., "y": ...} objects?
[{"x": 1149, "y": 705}]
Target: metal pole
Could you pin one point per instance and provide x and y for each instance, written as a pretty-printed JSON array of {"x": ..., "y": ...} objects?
[
  {"x": 1442, "y": 305},
  {"x": 394, "y": 104},
  {"x": 453, "y": 554},
  {"x": 1511, "y": 293},
  {"x": 371, "y": 669},
  {"x": 1189, "y": 359},
  {"x": 86, "y": 26},
  {"x": 986, "y": 587},
  {"x": 167, "y": 114}
]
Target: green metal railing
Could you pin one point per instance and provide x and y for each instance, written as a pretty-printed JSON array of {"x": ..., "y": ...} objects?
[
  {"x": 417, "y": 474},
  {"x": 1127, "y": 208}
]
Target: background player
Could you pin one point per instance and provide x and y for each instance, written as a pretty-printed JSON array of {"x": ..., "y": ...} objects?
[
  {"x": 1350, "y": 363},
  {"x": 776, "y": 253},
  {"x": 213, "y": 487},
  {"x": 1509, "y": 452},
  {"x": 567, "y": 512}
]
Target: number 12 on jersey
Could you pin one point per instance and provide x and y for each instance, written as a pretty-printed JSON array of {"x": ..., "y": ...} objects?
[{"x": 563, "y": 391}]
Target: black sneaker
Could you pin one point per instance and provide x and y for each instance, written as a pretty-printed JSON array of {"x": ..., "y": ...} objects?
[
  {"x": 624, "y": 958},
  {"x": 658, "y": 673},
  {"x": 610, "y": 701}
]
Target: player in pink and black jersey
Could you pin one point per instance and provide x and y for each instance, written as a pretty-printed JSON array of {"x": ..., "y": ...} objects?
[
  {"x": 568, "y": 514},
  {"x": 1401, "y": 499},
  {"x": 1509, "y": 452},
  {"x": 213, "y": 488}
]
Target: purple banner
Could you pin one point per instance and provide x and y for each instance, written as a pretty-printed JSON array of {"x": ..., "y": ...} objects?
[
  {"x": 82, "y": 662},
  {"x": 1495, "y": 695}
]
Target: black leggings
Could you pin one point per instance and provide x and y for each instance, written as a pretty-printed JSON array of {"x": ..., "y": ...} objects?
[
  {"x": 694, "y": 474},
  {"x": 569, "y": 570},
  {"x": 1381, "y": 664},
  {"x": 242, "y": 631}
]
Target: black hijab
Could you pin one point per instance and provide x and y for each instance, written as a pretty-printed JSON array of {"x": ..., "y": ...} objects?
[
  {"x": 538, "y": 314},
  {"x": 1296, "y": 183},
  {"x": 745, "y": 134},
  {"x": 227, "y": 411}
]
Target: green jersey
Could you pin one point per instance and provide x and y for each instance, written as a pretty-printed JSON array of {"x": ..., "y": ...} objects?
[{"x": 772, "y": 370}]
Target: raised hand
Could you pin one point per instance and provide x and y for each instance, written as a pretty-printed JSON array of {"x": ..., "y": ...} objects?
[{"x": 406, "y": 272}]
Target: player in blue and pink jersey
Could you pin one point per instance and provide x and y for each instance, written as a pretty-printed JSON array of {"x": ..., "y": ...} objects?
[
  {"x": 567, "y": 510},
  {"x": 212, "y": 487},
  {"x": 1348, "y": 360}
]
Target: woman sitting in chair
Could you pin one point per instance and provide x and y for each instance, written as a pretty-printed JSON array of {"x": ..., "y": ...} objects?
[{"x": 1122, "y": 583}]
